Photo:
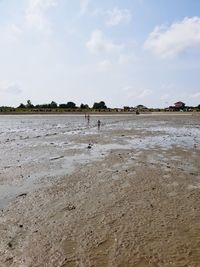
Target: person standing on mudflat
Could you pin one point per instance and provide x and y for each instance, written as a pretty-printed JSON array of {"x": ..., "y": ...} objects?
[{"x": 99, "y": 124}]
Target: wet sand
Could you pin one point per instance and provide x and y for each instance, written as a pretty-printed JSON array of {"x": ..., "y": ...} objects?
[{"x": 132, "y": 198}]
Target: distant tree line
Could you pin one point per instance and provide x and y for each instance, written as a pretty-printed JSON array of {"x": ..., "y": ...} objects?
[
  {"x": 68, "y": 105},
  {"x": 72, "y": 107}
]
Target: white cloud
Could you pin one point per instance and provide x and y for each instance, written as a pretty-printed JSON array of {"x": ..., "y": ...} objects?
[
  {"x": 117, "y": 16},
  {"x": 113, "y": 17},
  {"x": 171, "y": 41},
  {"x": 41, "y": 4},
  {"x": 35, "y": 13},
  {"x": 98, "y": 42},
  {"x": 84, "y": 6},
  {"x": 34, "y": 17}
]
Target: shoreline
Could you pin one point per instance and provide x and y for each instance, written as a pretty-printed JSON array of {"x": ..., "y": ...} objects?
[{"x": 100, "y": 113}]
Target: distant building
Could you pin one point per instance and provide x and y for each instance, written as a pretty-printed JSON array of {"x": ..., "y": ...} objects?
[
  {"x": 128, "y": 109},
  {"x": 179, "y": 105},
  {"x": 119, "y": 109},
  {"x": 133, "y": 109}
]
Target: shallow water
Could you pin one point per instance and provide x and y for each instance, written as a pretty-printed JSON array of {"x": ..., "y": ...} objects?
[{"x": 35, "y": 147}]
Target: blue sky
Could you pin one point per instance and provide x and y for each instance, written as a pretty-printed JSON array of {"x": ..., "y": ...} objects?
[{"x": 126, "y": 52}]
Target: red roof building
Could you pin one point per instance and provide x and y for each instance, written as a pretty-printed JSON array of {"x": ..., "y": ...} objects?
[{"x": 179, "y": 104}]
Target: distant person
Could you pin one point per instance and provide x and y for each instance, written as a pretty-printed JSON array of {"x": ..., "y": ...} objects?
[
  {"x": 88, "y": 117},
  {"x": 99, "y": 124}
]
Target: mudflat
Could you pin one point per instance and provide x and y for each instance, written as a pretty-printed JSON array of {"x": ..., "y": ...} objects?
[{"x": 125, "y": 195}]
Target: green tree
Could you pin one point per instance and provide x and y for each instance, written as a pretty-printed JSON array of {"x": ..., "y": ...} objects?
[
  {"x": 29, "y": 104},
  {"x": 84, "y": 106},
  {"x": 71, "y": 105},
  {"x": 100, "y": 105},
  {"x": 53, "y": 105},
  {"x": 22, "y": 106}
]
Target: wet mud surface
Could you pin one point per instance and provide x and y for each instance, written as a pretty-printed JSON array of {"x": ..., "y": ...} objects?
[{"x": 127, "y": 195}]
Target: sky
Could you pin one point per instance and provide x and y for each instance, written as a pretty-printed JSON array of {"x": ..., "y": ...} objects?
[{"x": 125, "y": 53}]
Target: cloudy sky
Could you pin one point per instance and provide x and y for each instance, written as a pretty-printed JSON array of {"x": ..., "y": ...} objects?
[{"x": 123, "y": 52}]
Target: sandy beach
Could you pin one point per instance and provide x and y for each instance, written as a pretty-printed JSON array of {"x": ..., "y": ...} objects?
[{"x": 125, "y": 195}]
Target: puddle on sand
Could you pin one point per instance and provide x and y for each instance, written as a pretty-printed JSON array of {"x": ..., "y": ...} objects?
[
  {"x": 65, "y": 166},
  {"x": 37, "y": 180}
]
